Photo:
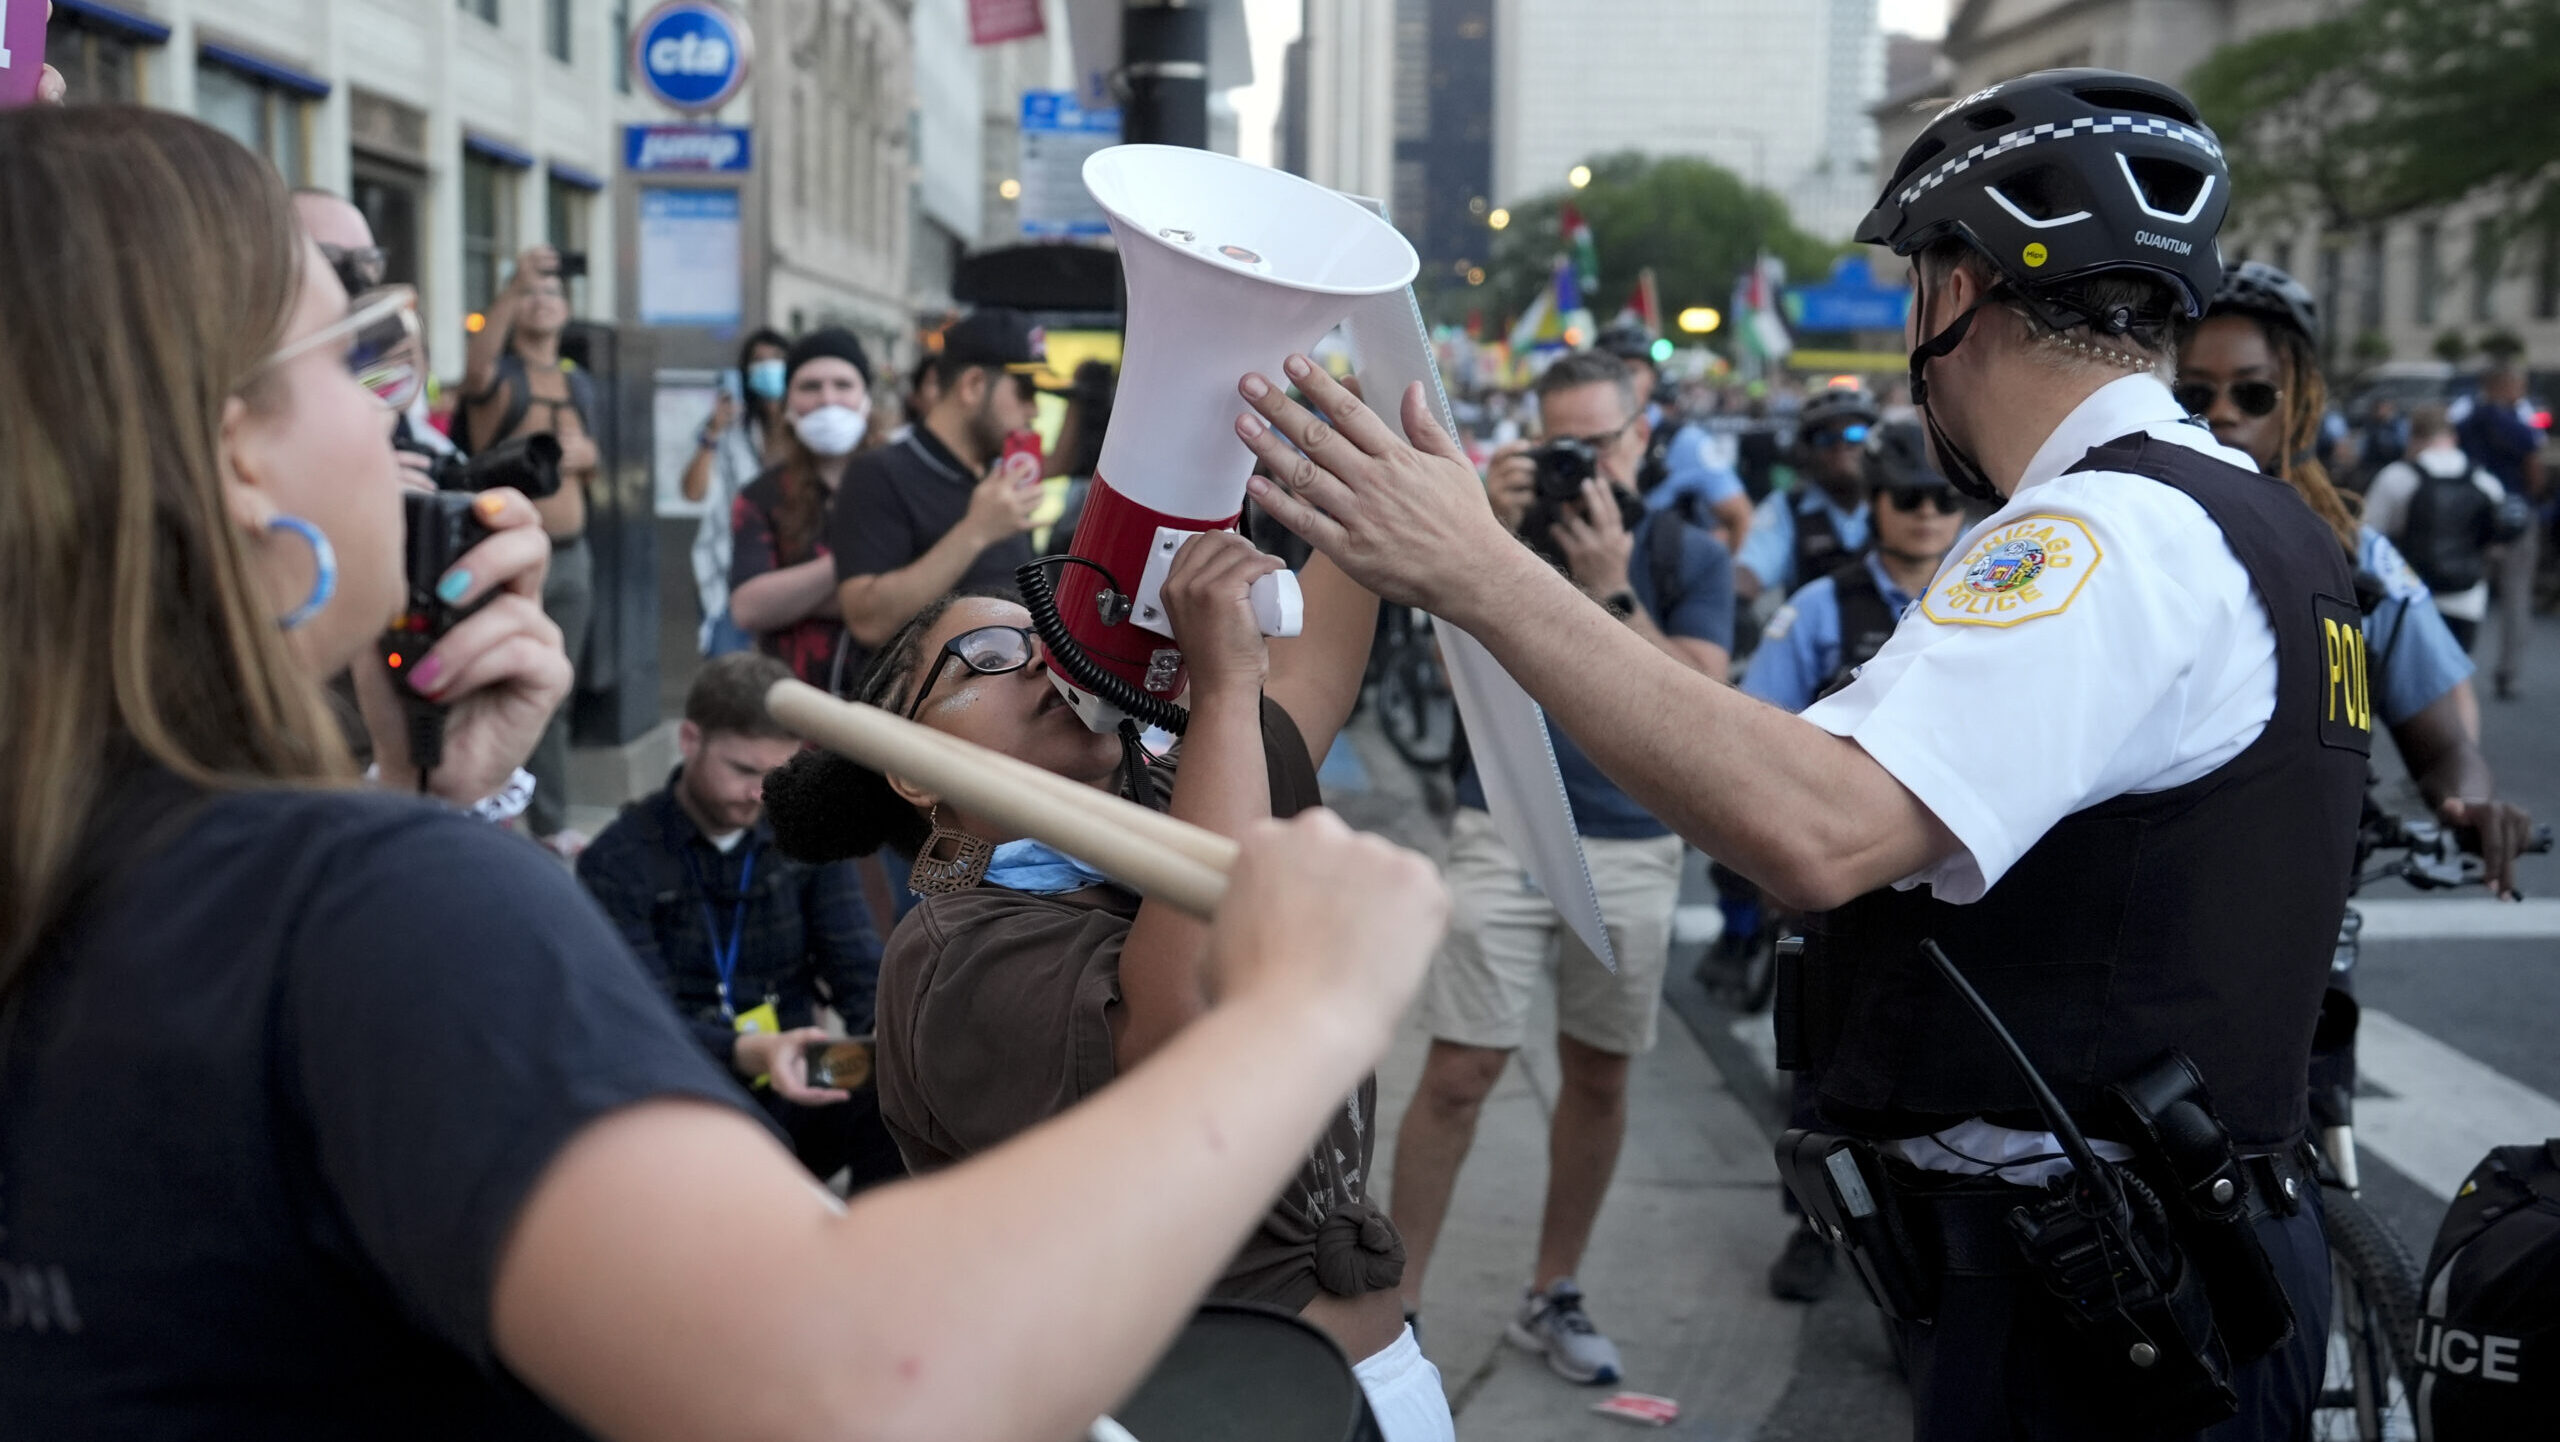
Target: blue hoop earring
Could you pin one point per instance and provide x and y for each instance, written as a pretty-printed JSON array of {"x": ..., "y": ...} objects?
[{"x": 324, "y": 561}]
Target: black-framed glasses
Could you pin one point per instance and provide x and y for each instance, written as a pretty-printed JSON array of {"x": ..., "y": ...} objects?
[
  {"x": 987, "y": 651},
  {"x": 2254, "y": 398},
  {"x": 1912, "y": 498},
  {"x": 360, "y": 268}
]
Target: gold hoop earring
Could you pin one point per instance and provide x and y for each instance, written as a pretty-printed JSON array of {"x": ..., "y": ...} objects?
[{"x": 950, "y": 860}]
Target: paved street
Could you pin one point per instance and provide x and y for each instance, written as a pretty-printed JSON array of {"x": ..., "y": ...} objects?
[{"x": 2460, "y": 995}]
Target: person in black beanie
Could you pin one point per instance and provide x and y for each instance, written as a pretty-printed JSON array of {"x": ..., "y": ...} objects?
[{"x": 781, "y": 574}]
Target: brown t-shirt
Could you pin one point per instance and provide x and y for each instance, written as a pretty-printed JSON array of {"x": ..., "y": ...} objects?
[{"x": 995, "y": 1015}]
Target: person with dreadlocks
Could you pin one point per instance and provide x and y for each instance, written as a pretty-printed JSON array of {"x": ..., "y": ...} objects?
[
  {"x": 2252, "y": 371},
  {"x": 2111, "y": 763},
  {"x": 1025, "y": 980}
]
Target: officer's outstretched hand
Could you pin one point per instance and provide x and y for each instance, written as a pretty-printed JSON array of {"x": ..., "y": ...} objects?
[
  {"x": 1409, "y": 522},
  {"x": 2495, "y": 829}
]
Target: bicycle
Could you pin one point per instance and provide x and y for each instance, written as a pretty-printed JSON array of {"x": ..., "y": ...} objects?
[
  {"x": 1406, "y": 682},
  {"x": 2371, "y": 1369}
]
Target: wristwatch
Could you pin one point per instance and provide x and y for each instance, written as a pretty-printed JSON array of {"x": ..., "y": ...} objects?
[{"x": 1621, "y": 604}]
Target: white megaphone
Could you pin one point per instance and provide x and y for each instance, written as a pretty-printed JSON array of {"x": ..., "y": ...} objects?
[{"x": 1231, "y": 267}]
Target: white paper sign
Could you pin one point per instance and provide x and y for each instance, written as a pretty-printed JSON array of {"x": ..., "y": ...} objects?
[
  {"x": 678, "y": 407},
  {"x": 689, "y": 258},
  {"x": 1506, "y": 730}
]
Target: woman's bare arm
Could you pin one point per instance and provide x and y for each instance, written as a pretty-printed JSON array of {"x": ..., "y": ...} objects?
[{"x": 675, "y": 1275}]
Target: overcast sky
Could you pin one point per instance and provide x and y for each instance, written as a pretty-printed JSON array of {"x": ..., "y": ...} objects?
[{"x": 1274, "y": 23}]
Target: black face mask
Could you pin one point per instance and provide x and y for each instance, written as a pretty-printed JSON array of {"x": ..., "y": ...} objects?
[{"x": 1959, "y": 468}]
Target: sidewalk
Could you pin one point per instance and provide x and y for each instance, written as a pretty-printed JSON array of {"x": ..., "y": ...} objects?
[{"x": 1675, "y": 1269}]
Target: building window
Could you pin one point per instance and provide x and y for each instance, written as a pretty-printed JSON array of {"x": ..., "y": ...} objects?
[
  {"x": 97, "y": 65},
  {"x": 267, "y": 118},
  {"x": 570, "y": 208},
  {"x": 558, "y": 18},
  {"x": 485, "y": 9},
  {"x": 2430, "y": 271},
  {"x": 622, "y": 46},
  {"x": 488, "y": 227},
  {"x": 2486, "y": 261}
]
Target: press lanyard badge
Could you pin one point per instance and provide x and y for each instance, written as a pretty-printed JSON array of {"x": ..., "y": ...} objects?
[{"x": 724, "y": 955}]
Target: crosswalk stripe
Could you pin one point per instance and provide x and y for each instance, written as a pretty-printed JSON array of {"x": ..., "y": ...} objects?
[
  {"x": 2475, "y": 918},
  {"x": 2445, "y": 1109}
]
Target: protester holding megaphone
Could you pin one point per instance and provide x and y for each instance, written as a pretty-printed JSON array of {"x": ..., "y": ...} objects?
[{"x": 324, "y": 1114}]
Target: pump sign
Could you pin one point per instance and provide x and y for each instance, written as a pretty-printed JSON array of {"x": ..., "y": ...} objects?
[{"x": 691, "y": 54}]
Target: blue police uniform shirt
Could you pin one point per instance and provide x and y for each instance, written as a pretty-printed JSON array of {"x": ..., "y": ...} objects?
[
  {"x": 2500, "y": 439},
  {"x": 1769, "y": 552},
  {"x": 1705, "y": 613},
  {"x": 2414, "y": 657},
  {"x": 1800, "y": 647},
  {"x": 1693, "y": 470}
]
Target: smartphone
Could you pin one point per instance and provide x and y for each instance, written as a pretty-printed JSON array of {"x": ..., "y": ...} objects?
[
  {"x": 1022, "y": 457},
  {"x": 734, "y": 386},
  {"x": 573, "y": 264},
  {"x": 21, "y": 50}
]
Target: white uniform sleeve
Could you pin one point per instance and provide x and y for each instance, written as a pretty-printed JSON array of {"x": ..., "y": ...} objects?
[{"x": 2044, "y": 669}]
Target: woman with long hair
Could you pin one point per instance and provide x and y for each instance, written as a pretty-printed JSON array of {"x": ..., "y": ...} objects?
[
  {"x": 1025, "y": 981},
  {"x": 2251, "y": 369},
  {"x": 733, "y": 447},
  {"x": 327, "y": 1112},
  {"x": 782, "y": 578}
]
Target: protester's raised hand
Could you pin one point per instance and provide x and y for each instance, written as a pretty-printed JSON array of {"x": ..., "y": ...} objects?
[
  {"x": 1207, "y": 597},
  {"x": 501, "y": 671},
  {"x": 51, "y": 88},
  {"x": 1319, "y": 916},
  {"x": 1408, "y": 521}
]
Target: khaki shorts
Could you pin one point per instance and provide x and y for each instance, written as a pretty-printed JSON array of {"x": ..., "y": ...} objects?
[{"x": 1504, "y": 936}]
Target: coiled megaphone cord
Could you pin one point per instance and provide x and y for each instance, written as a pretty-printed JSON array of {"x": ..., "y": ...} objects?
[{"x": 1040, "y": 597}]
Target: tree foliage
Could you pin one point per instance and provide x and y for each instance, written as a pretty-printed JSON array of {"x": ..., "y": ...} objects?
[
  {"x": 1693, "y": 222},
  {"x": 2393, "y": 106}
]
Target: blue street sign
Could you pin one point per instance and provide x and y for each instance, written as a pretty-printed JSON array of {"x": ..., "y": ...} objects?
[
  {"x": 687, "y": 147},
  {"x": 691, "y": 54},
  {"x": 1851, "y": 299}
]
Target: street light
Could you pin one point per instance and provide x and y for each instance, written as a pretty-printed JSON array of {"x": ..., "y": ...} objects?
[
  {"x": 1010, "y": 189},
  {"x": 1701, "y": 319},
  {"x": 1475, "y": 275},
  {"x": 1500, "y": 219},
  {"x": 1578, "y": 177}
]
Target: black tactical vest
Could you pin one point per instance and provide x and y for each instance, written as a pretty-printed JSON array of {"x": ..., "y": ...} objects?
[
  {"x": 1818, "y": 545},
  {"x": 1866, "y": 623},
  {"x": 2200, "y": 918}
]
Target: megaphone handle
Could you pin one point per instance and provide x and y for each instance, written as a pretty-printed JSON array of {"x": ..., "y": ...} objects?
[{"x": 1278, "y": 604}]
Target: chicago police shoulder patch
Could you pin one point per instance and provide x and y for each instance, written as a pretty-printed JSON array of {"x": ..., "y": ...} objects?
[{"x": 2020, "y": 570}]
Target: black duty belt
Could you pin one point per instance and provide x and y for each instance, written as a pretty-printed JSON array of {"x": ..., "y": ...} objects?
[{"x": 1970, "y": 1215}]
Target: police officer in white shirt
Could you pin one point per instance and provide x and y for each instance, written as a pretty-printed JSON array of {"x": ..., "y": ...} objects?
[{"x": 2112, "y": 762}]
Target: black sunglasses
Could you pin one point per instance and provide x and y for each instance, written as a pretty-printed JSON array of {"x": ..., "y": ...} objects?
[
  {"x": 1912, "y": 498},
  {"x": 2254, "y": 398},
  {"x": 987, "y": 650}
]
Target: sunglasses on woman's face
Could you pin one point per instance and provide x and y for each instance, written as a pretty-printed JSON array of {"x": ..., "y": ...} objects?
[
  {"x": 1912, "y": 498},
  {"x": 986, "y": 651},
  {"x": 2254, "y": 398},
  {"x": 380, "y": 339}
]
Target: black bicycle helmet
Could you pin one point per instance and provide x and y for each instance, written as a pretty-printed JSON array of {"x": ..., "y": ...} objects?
[
  {"x": 1902, "y": 458},
  {"x": 1837, "y": 403},
  {"x": 2256, "y": 288},
  {"x": 2062, "y": 175}
]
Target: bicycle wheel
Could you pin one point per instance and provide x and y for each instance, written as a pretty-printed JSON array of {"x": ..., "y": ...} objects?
[
  {"x": 2373, "y": 1328},
  {"x": 1414, "y": 705}
]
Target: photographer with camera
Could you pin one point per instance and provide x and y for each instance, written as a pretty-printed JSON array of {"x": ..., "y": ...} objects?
[
  {"x": 744, "y": 939},
  {"x": 517, "y": 385},
  {"x": 1572, "y": 502},
  {"x": 322, "y": 1114},
  {"x": 1679, "y": 472}
]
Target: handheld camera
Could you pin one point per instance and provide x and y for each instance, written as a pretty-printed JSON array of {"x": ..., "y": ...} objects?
[{"x": 531, "y": 464}]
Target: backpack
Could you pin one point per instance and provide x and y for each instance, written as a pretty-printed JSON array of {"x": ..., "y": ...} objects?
[
  {"x": 512, "y": 374},
  {"x": 2488, "y": 1350},
  {"x": 2449, "y": 522}
]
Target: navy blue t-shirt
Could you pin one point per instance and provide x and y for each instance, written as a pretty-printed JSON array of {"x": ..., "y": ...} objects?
[
  {"x": 2500, "y": 441},
  {"x": 269, "y": 1107},
  {"x": 1701, "y": 608}
]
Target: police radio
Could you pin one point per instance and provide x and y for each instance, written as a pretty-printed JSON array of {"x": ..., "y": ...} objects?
[{"x": 442, "y": 526}]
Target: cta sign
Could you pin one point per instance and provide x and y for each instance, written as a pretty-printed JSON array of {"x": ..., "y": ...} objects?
[
  {"x": 691, "y": 54},
  {"x": 687, "y": 147}
]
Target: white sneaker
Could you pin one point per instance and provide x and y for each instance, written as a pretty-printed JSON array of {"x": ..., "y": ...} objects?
[{"x": 1554, "y": 1325}]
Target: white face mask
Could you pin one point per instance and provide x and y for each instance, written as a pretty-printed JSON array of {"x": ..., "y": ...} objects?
[{"x": 832, "y": 431}]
